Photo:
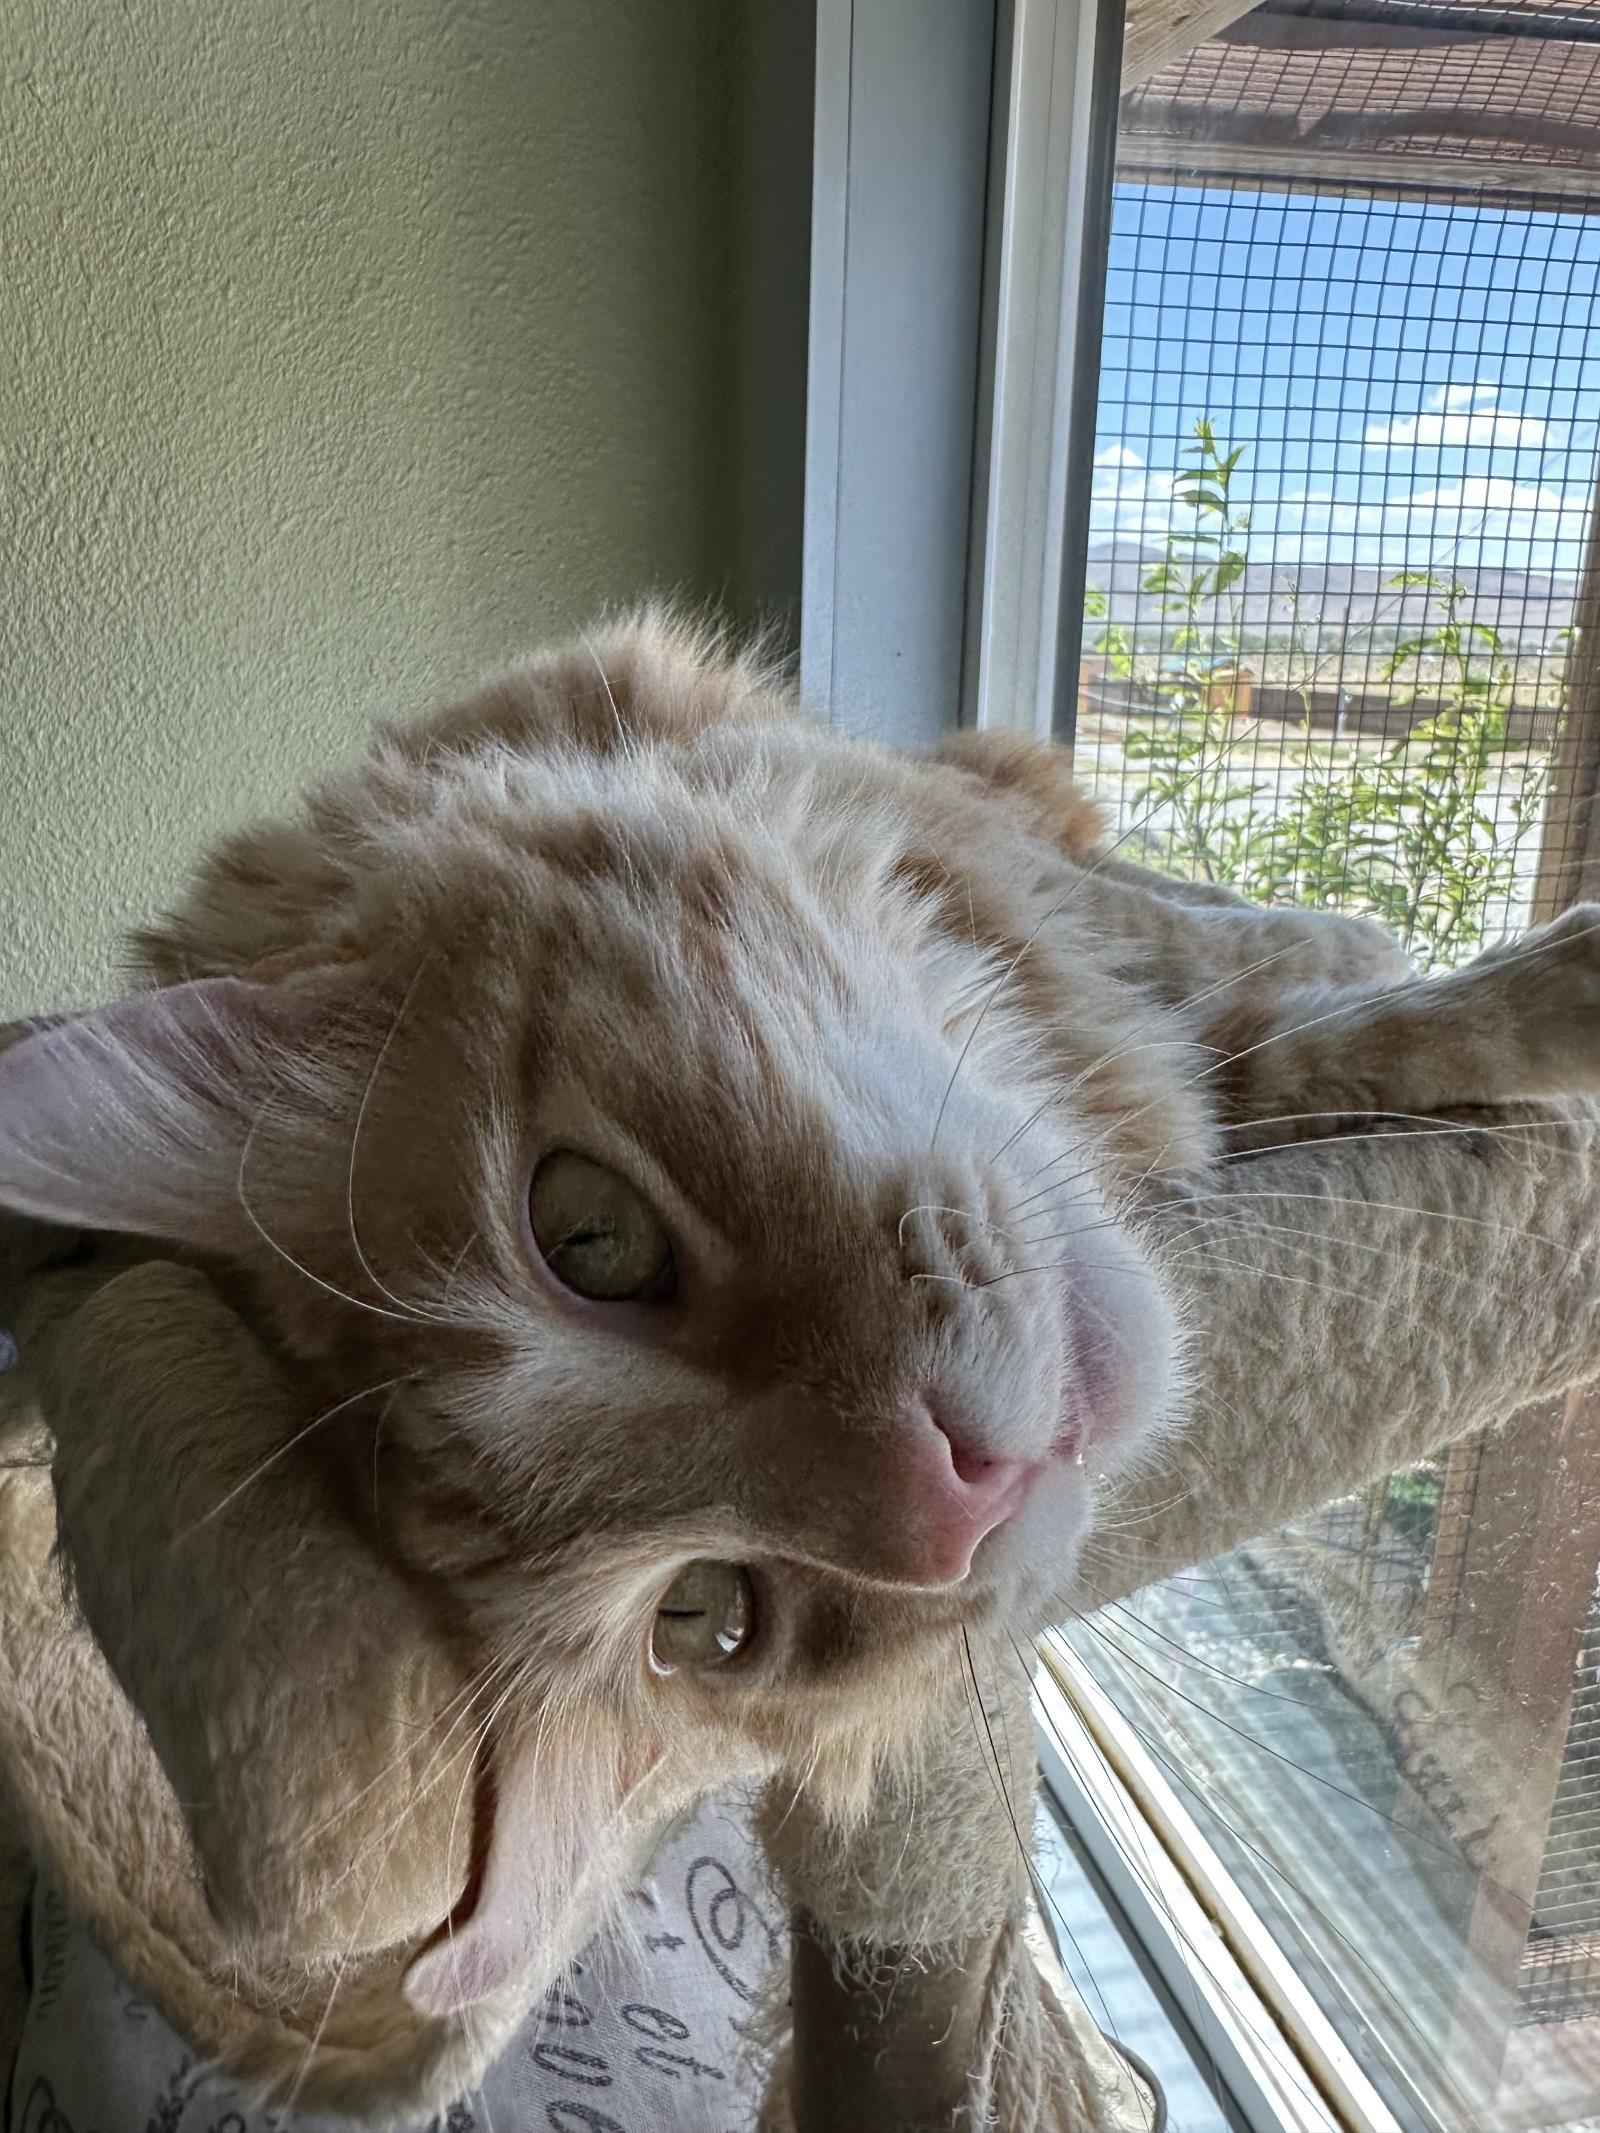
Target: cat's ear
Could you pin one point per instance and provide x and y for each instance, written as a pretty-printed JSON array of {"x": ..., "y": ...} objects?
[
  {"x": 136, "y": 1117},
  {"x": 556, "y": 1848},
  {"x": 1037, "y": 775}
]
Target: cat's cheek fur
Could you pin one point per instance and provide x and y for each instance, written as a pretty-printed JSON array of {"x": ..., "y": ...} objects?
[
  {"x": 1034, "y": 1559},
  {"x": 1124, "y": 1360},
  {"x": 1124, "y": 1387}
]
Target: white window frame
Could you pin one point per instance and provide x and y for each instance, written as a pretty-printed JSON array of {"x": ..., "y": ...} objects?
[
  {"x": 954, "y": 183},
  {"x": 1285, "y": 2065},
  {"x": 1057, "y": 139},
  {"x": 901, "y": 164}
]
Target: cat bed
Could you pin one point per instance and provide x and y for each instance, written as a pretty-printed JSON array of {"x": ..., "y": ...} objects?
[{"x": 656, "y": 2030}]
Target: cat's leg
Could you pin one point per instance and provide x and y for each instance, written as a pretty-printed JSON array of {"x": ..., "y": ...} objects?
[
  {"x": 1170, "y": 888},
  {"x": 915, "y": 1999},
  {"x": 1218, "y": 955},
  {"x": 1521, "y": 1022},
  {"x": 1153, "y": 911}
]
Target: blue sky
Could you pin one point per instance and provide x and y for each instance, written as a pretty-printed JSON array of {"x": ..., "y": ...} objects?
[{"x": 1416, "y": 385}]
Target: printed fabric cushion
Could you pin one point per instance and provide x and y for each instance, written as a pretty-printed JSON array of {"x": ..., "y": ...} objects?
[{"x": 650, "y": 2034}]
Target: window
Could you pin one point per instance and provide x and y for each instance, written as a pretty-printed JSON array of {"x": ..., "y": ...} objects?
[
  {"x": 1307, "y": 590},
  {"x": 1344, "y": 471}
]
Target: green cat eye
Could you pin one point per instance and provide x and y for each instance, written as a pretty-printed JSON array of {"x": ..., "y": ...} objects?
[
  {"x": 595, "y": 1233},
  {"x": 705, "y": 1617}
]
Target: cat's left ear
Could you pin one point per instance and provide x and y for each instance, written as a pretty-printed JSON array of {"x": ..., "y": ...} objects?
[{"x": 136, "y": 1117}]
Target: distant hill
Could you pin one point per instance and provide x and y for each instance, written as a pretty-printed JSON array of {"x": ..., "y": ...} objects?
[{"x": 1520, "y": 604}]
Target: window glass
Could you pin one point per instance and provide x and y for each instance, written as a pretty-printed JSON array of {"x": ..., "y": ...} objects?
[{"x": 1345, "y": 467}]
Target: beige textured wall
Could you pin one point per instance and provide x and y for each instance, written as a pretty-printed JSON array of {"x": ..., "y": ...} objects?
[{"x": 345, "y": 345}]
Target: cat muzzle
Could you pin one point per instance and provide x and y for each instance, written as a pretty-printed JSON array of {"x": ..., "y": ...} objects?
[{"x": 957, "y": 1494}]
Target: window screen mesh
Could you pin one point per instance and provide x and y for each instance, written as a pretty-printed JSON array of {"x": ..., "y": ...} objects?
[
  {"x": 1346, "y": 459},
  {"x": 1561, "y": 1966}
]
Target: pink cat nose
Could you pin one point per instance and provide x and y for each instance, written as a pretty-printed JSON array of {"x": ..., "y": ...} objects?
[{"x": 962, "y": 1492}]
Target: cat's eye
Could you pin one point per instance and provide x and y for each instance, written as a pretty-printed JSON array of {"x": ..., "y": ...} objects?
[
  {"x": 707, "y": 1614},
  {"x": 596, "y": 1234}
]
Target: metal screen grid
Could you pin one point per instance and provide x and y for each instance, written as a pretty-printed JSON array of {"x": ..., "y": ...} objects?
[
  {"x": 1401, "y": 379},
  {"x": 1311, "y": 333},
  {"x": 1560, "y": 1979}
]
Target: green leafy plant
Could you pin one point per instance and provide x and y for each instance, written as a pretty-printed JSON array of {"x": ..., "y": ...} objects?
[
  {"x": 1421, "y": 834},
  {"x": 1190, "y": 783},
  {"x": 1447, "y": 852},
  {"x": 1410, "y": 1501}
]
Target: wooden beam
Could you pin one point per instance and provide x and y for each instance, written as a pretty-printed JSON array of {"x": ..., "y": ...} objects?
[
  {"x": 1524, "y": 1589},
  {"x": 1162, "y": 157},
  {"x": 1569, "y": 861},
  {"x": 1159, "y": 31}
]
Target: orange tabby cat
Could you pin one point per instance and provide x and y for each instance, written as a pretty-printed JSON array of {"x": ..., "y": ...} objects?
[{"x": 707, "y": 1168}]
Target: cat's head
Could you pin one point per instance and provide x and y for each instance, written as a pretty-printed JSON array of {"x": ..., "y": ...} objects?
[{"x": 718, "y": 1297}]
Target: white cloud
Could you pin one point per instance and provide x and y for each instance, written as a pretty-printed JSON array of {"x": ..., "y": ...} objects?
[
  {"x": 1129, "y": 501},
  {"x": 1481, "y": 492},
  {"x": 1480, "y": 522},
  {"x": 1461, "y": 415}
]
